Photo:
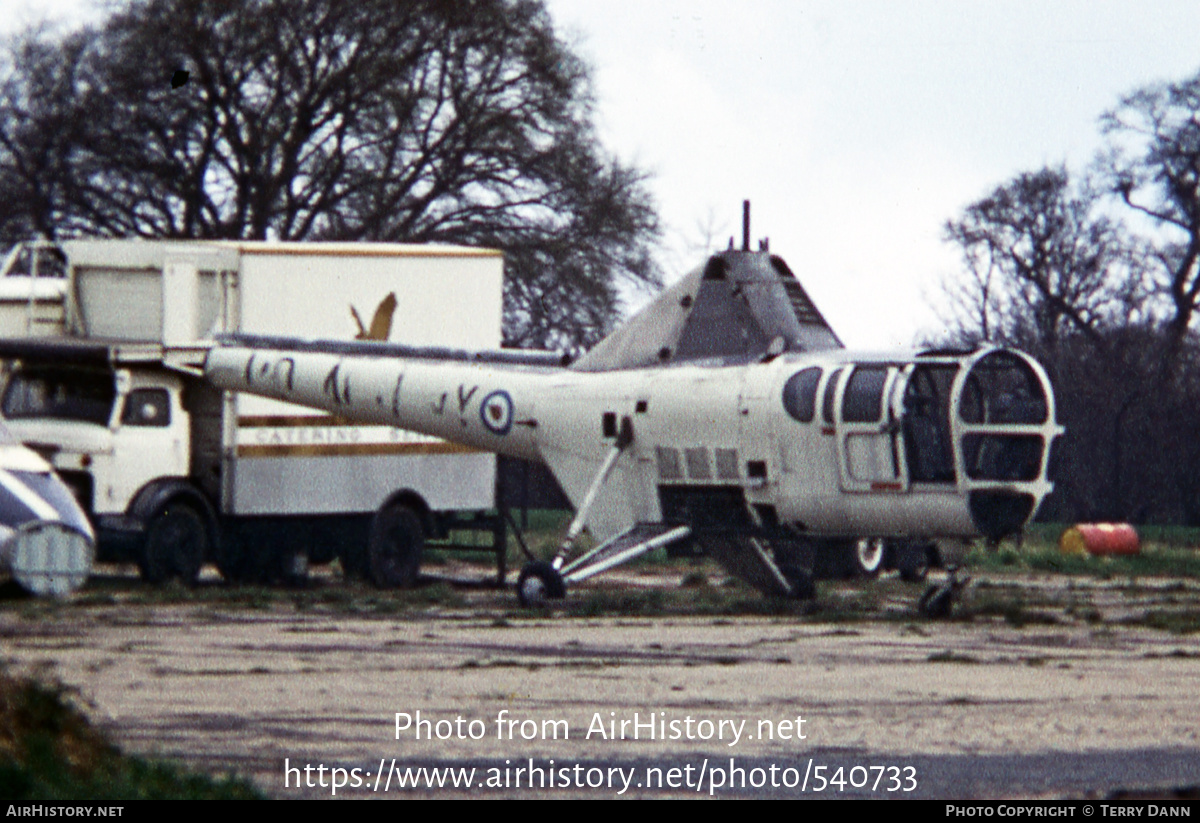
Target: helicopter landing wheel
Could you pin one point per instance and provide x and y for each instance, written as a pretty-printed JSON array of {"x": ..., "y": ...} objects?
[{"x": 538, "y": 583}]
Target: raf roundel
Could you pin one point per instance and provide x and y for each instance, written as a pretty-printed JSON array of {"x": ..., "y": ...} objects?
[{"x": 496, "y": 411}]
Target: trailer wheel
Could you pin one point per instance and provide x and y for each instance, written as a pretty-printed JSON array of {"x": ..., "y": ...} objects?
[
  {"x": 176, "y": 545},
  {"x": 394, "y": 547}
]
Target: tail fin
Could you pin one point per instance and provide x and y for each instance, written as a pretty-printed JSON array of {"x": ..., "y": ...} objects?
[{"x": 739, "y": 307}]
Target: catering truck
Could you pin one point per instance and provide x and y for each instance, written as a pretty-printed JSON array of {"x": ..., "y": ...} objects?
[{"x": 106, "y": 384}]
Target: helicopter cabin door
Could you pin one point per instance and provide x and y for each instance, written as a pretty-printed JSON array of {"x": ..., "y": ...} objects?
[{"x": 868, "y": 430}]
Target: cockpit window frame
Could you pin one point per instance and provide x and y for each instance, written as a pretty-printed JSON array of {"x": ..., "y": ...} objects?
[{"x": 987, "y": 406}]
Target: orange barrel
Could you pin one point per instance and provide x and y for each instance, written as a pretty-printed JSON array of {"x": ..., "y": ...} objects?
[{"x": 1100, "y": 539}]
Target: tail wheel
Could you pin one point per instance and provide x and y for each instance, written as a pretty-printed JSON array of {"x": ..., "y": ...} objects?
[
  {"x": 176, "y": 545},
  {"x": 539, "y": 582},
  {"x": 866, "y": 557},
  {"x": 394, "y": 547}
]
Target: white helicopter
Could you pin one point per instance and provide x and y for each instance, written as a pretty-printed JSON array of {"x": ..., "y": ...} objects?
[{"x": 726, "y": 414}]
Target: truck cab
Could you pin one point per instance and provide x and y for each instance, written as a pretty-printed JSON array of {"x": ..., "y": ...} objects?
[{"x": 113, "y": 435}]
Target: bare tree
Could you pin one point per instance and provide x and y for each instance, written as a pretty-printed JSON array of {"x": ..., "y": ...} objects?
[
  {"x": 1043, "y": 262},
  {"x": 1110, "y": 313},
  {"x": 1154, "y": 166},
  {"x": 1049, "y": 271},
  {"x": 419, "y": 121},
  {"x": 40, "y": 132}
]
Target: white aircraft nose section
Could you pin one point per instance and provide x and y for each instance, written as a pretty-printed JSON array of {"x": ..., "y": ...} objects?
[
  {"x": 1005, "y": 424},
  {"x": 46, "y": 543},
  {"x": 48, "y": 558}
]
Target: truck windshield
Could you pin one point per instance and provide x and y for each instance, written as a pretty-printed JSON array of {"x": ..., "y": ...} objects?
[{"x": 63, "y": 394}]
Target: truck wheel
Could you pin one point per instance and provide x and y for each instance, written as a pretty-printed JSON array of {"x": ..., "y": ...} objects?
[
  {"x": 394, "y": 547},
  {"x": 176, "y": 545}
]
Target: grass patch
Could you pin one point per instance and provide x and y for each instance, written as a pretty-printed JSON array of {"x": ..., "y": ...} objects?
[
  {"x": 343, "y": 597},
  {"x": 1172, "y": 551},
  {"x": 50, "y": 752},
  {"x": 1168, "y": 552},
  {"x": 1180, "y": 537},
  {"x": 622, "y": 602},
  {"x": 1185, "y": 621},
  {"x": 1014, "y": 608},
  {"x": 731, "y": 599},
  {"x": 698, "y": 600},
  {"x": 363, "y": 599}
]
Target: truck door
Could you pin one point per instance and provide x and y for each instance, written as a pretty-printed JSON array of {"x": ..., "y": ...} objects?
[
  {"x": 869, "y": 432},
  {"x": 149, "y": 438}
]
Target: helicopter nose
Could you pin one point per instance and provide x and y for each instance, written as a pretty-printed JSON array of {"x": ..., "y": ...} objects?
[
  {"x": 1005, "y": 422},
  {"x": 38, "y": 495},
  {"x": 46, "y": 543}
]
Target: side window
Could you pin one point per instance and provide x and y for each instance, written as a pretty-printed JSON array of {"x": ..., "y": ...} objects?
[
  {"x": 863, "y": 400},
  {"x": 147, "y": 407},
  {"x": 830, "y": 392},
  {"x": 800, "y": 394}
]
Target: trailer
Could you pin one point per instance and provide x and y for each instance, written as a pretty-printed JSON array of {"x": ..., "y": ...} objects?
[{"x": 106, "y": 384}]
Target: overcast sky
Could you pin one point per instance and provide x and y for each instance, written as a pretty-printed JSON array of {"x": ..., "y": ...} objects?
[
  {"x": 855, "y": 128},
  {"x": 858, "y": 128}
]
